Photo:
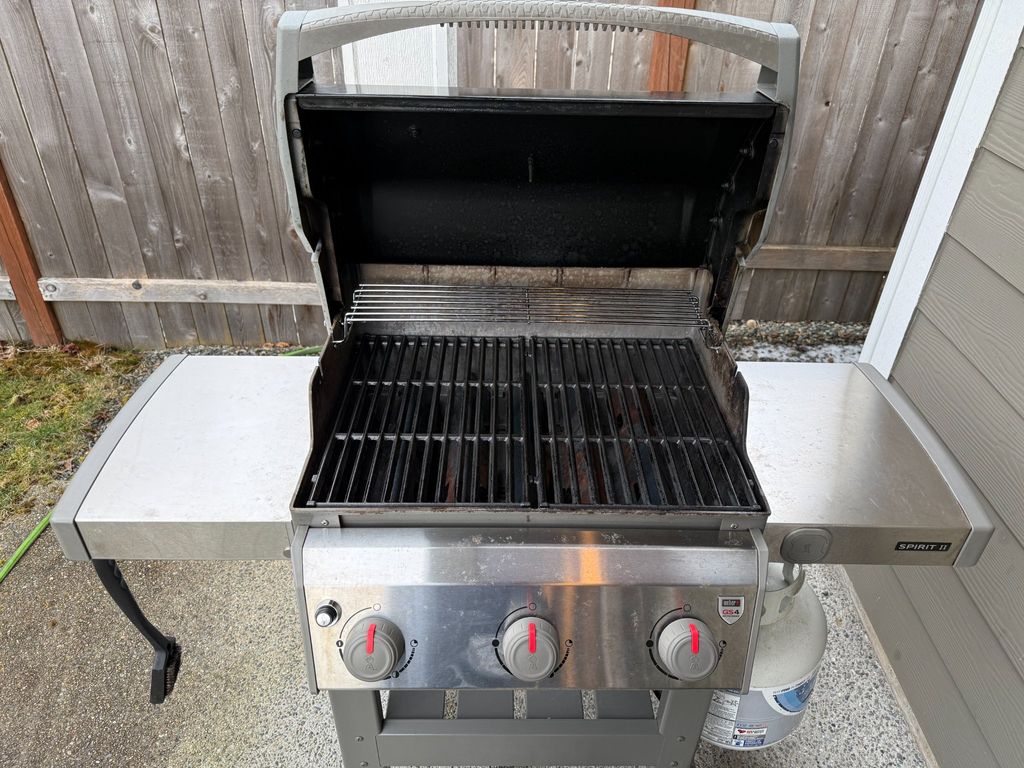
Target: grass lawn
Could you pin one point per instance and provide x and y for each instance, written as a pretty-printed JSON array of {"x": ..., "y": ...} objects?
[{"x": 53, "y": 404}]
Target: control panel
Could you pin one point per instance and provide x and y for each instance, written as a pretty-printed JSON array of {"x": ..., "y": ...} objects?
[{"x": 515, "y": 608}]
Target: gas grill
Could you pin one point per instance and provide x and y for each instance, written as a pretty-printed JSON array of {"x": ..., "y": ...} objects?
[
  {"x": 528, "y": 465},
  {"x": 527, "y": 521}
]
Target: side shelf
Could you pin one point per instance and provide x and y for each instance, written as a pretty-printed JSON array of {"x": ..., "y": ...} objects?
[
  {"x": 853, "y": 473},
  {"x": 62, "y": 521},
  {"x": 202, "y": 461}
]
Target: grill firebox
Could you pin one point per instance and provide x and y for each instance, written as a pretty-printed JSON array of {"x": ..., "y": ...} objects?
[{"x": 532, "y": 422}]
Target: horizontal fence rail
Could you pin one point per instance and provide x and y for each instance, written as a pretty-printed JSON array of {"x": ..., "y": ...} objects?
[{"x": 197, "y": 291}]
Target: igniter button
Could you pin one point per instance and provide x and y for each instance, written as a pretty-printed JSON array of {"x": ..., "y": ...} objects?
[{"x": 326, "y": 614}]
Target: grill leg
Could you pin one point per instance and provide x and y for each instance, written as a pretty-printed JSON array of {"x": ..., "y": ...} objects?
[
  {"x": 166, "y": 652},
  {"x": 680, "y": 719},
  {"x": 358, "y": 718}
]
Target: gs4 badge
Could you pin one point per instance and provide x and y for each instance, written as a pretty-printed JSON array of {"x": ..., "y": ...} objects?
[{"x": 730, "y": 608}]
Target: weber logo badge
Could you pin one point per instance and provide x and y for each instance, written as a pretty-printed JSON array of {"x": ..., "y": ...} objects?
[
  {"x": 922, "y": 546},
  {"x": 730, "y": 609}
]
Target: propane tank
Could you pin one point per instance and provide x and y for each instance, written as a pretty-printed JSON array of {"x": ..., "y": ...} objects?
[{"x": 790, "y": 646}]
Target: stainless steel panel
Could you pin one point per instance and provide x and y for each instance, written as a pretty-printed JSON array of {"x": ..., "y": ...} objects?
[
  {"x": 206, "y": 468},
  {"x": 976, "y": 507},
  {"x": 63, "y": 518},
  {"x": 831, "y": 452},
  {"x": 451, "y": 591}
]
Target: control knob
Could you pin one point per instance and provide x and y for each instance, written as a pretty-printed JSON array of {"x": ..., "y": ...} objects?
[
  {"x": 529, "y": 648},
  {"x": 687, "y": 649},
  {"x": 373, "y": 648}
]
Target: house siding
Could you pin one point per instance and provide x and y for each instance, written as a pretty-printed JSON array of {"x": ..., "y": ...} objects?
[{"x": 955, "y": 637}]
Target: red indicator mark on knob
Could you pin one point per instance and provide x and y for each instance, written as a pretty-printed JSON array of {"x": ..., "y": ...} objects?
[
  {"x": 373, "y": 631},
  {"x": 694, "y": 640},
  {"x": 533, "y": 637}
]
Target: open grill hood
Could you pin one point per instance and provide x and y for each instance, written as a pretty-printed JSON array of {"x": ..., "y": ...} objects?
[{"x": 526, "y": 179}]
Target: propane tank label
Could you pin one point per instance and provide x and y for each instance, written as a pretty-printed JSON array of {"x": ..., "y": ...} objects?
[
  {"x": 792, "y": 699},
  {"x": 724, "y": 704},
  {"x": 764, "y": 716}
]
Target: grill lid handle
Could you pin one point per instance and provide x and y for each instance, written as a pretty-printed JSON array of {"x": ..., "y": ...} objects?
[{"x": 774, "y": 46}]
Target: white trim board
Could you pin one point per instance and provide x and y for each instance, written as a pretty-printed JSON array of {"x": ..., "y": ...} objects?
[{"x": 990, "y": 51}]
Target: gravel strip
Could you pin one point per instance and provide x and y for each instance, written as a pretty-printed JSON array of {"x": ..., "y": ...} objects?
[{"x": 818, "y": 342}]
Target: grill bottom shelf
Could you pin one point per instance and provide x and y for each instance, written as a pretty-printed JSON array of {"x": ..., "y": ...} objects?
[{"x": 530, "y": 422}]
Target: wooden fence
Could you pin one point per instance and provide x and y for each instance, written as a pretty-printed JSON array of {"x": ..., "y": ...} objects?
[
  {"x": 138, "y": 139},
  {"x": 874, "y": 79}
]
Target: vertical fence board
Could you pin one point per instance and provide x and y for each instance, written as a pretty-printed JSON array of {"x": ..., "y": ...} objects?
[
  {"x": 904, "y": 45},
  {"x": 592, "y": 59},
  {"x": 42, "y": 111},
  {"x": 260, "y": 19},
  {"x": 932, "y": 85},
  {"x": 554, "y": 57},
  {"x": 192, "y": 71},
  {"x": 126, "y": 131},
  {"x": 28, "y": 185},
  {"x": 827, "y": 297},
  {"x": 475, "y": 58},
  {"x": 631, "y": 56},
  {"x": 806, "y": 294},
  {"x": 147, "y": 57},
  {"x": 247, "y": 154},
  {"x": 515, "y": 57},
  {"x": 19, "y": 321},
  {"x": 80, "y": 103},
  {"x": 669, "y": 55},
  {"x": 9, "y": 330},
  {"x": 795, "y": 299},
  {"x": 837, "y": 141},
  {"x": 821, "y": 64},
  {"x": 862, "y": 292}
]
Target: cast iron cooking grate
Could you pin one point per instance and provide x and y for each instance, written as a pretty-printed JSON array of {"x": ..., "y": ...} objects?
[{"x": 538, "y": 422}]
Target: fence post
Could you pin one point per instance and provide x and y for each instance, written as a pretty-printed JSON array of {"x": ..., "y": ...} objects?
[{"x": 20, "y": 263}]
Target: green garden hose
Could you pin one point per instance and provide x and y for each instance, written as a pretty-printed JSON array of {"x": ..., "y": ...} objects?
[
  {"x": 301, "y": 351},
  {"x": 23, "y": 547}
]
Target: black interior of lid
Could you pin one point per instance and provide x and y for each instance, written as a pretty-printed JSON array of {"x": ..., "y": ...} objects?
[{"x": 516, "y": 180}]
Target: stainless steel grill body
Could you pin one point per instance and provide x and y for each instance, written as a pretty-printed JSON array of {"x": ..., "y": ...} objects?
[
  {"x": 536, "y": 478},
  {"x": 461, "y": 479}
]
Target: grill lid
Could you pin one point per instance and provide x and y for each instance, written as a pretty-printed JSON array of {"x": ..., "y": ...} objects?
[
  {"x": 513, "y": 178},
  {"x": 526, "y": 179}
]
